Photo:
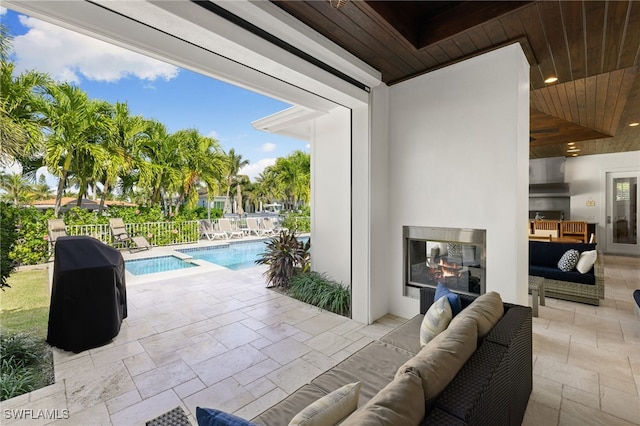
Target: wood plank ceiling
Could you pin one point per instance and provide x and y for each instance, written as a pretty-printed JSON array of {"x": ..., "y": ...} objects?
[{"x": 592, "y": 47}]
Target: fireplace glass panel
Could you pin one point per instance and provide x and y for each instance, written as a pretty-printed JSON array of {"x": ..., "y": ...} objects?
[{"x": 454, "y": 257}]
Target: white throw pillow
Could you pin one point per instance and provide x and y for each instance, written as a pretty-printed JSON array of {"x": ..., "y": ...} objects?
[
  {"x": 331, "y": 408},
  {"x": 586, "y": 261},
  {"x": 436, "y": 320}
]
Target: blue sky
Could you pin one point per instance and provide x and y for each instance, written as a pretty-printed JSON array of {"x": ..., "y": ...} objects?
[{"x": 176, "y": 97}]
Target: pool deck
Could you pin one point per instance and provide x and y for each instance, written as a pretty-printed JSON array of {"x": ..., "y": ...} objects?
[{"x": 215, "y": 338}]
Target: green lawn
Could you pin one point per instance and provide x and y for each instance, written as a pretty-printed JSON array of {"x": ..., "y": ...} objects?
[{"x": 24, "y": 308}]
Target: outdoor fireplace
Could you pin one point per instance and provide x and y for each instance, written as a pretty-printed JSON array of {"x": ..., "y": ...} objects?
[{"x": 455, "y": 257}]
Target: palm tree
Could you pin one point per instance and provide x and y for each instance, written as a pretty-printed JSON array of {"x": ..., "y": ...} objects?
[
  {"x": 235, "y": 163},
  {"x": 75, "y": 125},
  {"x": 20, "y": 122},
  {"x": 120, "y": 147},
  {"x": 18, "y": 189},
  {"x": 293, "y": 175},
  {"x": 41, "y": 190},
  {"x": 202, "y": 162}
]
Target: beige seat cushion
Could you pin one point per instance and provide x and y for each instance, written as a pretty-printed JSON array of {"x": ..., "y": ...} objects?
[
  {"x": 486, "y": 311},
  {"x": 441, "y": 359},
  {"x": 285, "y": 410},
  {"x": 401, "y": 402},
  {"x": 407, "y": 336}
]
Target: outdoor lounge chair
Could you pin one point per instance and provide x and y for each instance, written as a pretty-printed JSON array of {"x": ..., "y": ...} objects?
[
  {"x": 118, "y": 230},
  {"x": 267, "y": 225},
  {"x": 207, "y": 230},
  {"x": 225, "y": 225},
  {"x": 120, "y": 235},
  {"x": 252, "y": 225},
  {"x": 56, "y": 228}
]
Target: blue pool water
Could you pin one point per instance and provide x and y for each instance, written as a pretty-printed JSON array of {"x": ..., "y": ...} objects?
[
  {"x": 156, "y": 264},
  {"x": 233, "y": 256}
]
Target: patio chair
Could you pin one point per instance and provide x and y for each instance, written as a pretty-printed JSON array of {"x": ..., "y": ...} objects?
[
  {"x": 118, "y": 230},
  {"x": 254, "y": 228},
  {"x": 120, "y": 235},
  {"x": 207, "y": 230},
  {"x": 267, "y": 225},
  {"x": 225, "y": 225},
  {"x": 140, "y": 244},
  {"x": 546, "y": 228},
  {"x": 56, "y": 228}
]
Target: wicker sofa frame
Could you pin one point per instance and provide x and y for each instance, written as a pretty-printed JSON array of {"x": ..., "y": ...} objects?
[{"x": 576, "y": 292}]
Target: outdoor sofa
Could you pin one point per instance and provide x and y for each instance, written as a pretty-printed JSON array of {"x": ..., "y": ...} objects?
[
  {"x": 572, "y": 285},
  {"x": 458, "y": 378}
]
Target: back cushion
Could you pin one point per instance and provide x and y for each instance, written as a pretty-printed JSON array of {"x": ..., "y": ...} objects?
[
  {"x": 548, "y": 254},
  {"x": 441, "y": 359},
  {"x": 486, "y": 311}
]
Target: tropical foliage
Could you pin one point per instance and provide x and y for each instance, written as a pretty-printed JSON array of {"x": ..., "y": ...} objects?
[
  {"x": 286, "y": 256},
  {"x": 8, "y": 236},
  {"x": 320, "y": 290}
]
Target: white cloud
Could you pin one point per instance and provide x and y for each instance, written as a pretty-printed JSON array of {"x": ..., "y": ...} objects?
[
  {"x": 268, "y": 147},
  {"x": 308, "y": 146},
  {"x": 3, "y": 10},
  {"x": 70, "y": 56},
  {"x": 254, "y": 169},
  {"x": 213, "y": 134}
]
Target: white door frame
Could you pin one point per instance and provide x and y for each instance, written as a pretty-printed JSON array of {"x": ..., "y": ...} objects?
[{"x": 608, "y": 217}]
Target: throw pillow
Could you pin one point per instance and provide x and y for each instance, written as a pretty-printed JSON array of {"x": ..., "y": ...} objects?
[
  {"x": 213, "y": 417},
  {"x": 569, "y": 260},
  {"x": 401, "y": 402},
  {"x": 454, "y": 250},
  {"x": 436, "y": 320},
  {"x": 586, "y": 261},
  {"x": 486, "y": 310},
  {"x": 331, "y": 408},
  {"x": 454, "y": 298}
]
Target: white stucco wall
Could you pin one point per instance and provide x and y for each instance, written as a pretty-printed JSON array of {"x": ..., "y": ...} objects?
[
  {"x": 458, "y": 157},
  {"x": 586, "y": 177},
  {"x": 331, "y": 194}
]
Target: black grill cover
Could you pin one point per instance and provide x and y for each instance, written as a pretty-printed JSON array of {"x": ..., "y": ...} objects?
[{"x": 88, "y": 297}]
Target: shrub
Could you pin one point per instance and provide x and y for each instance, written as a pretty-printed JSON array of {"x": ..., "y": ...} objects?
[
  {"x": 294, "y": 221},
  {"x": 319, "y": 290},
  {"x": 285, "y": 255},
  {"x": 20, "y": 355},
  {"x": 8, "y": 237}
]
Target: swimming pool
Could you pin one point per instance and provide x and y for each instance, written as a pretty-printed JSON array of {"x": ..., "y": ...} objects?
[
  {"x": 156, "y": 264},
  {"x": 233, "y": 256}
]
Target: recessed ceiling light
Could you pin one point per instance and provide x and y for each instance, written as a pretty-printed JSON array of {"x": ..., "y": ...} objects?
[
  {"x": 550, "y": 80},
  {"x": 574, "y": 150},
  {"x": 574, "y": 155},
  {"x": 634, "y": 124},
  {"x": 571, "y": 144}
]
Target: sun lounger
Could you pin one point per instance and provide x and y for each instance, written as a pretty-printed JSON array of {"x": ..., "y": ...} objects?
[
  {"x": 120, "y": 235},
  {"x": 140, "y": 243},
  {"x": 225, "y": 225},
  {"x": 252, "y": 225},
  {"x": 118, "y": 230},
  {"x": 207, "y": 230},
  {"x": 267, "y": 225}
]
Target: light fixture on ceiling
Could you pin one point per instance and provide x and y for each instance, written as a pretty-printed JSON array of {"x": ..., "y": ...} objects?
[
  {"x": 574, "y": 150},
  {"x": 337, "y": 4},
  {"x": 550, "y": 80},
  {"x": 634, "y": 124},
  {"x": 574, "y": 155}
]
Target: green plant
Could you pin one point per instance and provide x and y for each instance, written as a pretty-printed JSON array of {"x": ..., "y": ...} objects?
[
  {"x": 320, "y": 290},
  {"x": 8, "y": 237},
  {"x": 285, "y": 255},
  {"x": 20, "y": 354},
  {"x": 296, "y": 221}
]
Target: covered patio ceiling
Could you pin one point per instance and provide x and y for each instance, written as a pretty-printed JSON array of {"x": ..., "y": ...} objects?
[{"x": 592, "y": 47}]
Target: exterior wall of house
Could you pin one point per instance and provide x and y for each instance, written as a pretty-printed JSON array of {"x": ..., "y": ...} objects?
[
  {"x": 458, "y": 157},
  {"x": 331, "y": 194},
  {"x": 587, "y": 178}
]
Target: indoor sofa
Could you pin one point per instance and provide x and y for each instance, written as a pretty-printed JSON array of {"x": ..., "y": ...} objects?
[
  {"x": 492, "y": 386},
  {"x": 572, "y": 285}
]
